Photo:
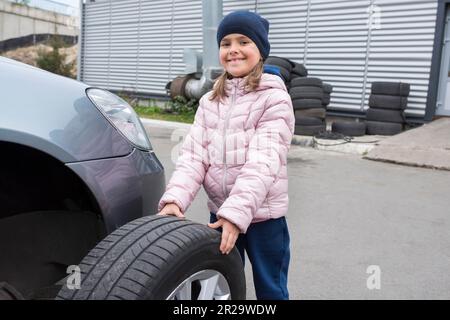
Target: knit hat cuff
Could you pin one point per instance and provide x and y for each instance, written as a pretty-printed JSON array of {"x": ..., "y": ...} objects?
[{"x": 249, "y": 33}]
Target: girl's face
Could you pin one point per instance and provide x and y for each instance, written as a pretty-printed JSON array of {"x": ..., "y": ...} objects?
[{"x": 238, "y": 54}]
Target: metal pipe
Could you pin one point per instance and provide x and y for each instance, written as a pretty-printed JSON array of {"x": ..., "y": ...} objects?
[
  {"x": 212, "y": 15},
  {"x": 80, "y": 45}
]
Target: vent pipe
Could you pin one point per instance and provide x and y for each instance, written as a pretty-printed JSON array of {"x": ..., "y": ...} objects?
[{"x": 212, "y": 14}]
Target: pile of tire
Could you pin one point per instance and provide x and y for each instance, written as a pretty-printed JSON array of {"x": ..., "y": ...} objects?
[
  {"x": 309, "y": 104},
  {"x": 288, "y": 69},
  {"x": 387, "y": 102},
  {"x": 310, "y": 96}
]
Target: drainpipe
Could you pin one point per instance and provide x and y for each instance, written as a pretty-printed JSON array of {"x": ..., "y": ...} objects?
[
  {"x": 212, "y": 15},
  {"x": 80, "y": 39}
]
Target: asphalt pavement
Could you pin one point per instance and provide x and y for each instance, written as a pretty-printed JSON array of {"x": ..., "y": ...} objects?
[{"x": 359, "y": 229}]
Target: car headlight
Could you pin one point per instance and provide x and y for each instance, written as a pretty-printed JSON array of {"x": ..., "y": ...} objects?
[{"x": 121, "y": 115}]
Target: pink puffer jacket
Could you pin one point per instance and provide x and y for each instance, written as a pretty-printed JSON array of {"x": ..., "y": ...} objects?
[{"x": 238, "y": 150}]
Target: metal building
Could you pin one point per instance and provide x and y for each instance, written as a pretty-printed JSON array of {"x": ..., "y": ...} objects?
[{"x": 137, "y": 45}]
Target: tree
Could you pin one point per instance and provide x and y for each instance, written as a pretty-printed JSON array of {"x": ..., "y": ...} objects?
[
  {"x": 23, "y": 2},
  {"x": 54, "y": 61}
]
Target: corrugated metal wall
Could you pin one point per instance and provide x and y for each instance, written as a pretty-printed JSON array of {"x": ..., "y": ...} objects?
[
  {"x": 137, "y": 45},
  {"x": 401, "y": 49},
  {"x": 337, "y": 47}
]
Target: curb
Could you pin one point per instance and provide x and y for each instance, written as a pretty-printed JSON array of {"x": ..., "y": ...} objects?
[
  {"x": 165, "y": 124},
  {"x": 360, "y": 146}
]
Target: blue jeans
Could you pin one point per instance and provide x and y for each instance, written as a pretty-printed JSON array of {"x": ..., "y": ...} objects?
[{"x": 267, "y": 247}]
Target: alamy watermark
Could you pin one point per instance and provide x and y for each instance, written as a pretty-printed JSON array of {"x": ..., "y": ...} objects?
[
  {"x": 73, "y": 281},
  {"x": 229, "y": 147},
  {"x": 374, "y": 20},
  {"x": 374, "y": 280}
]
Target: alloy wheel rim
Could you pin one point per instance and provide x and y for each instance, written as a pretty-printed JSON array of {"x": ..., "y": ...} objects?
[{"x": 202, "y": 285}]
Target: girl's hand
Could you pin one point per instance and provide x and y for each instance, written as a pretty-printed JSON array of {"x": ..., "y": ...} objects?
[
  {"x": 171, "y": 209},
  {"x": 230, "y": 233}
]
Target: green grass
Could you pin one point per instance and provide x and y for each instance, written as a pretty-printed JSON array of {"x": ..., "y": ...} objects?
[{"x": 159, "y": 114}]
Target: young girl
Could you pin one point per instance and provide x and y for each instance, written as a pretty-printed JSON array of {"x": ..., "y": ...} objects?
[{"x": 237, "y": 148}]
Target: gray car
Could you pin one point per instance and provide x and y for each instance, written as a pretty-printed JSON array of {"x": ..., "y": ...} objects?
[{"x": 76, "y": 166}]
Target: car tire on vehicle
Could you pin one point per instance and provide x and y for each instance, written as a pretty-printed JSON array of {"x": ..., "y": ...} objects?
[{"x": 159, "y": 258}]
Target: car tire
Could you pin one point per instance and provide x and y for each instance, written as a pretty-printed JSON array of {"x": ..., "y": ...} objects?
[
  {"x": 306, "y": 92},
  {"x": 308, "y": 121},
  {"x": 384, "y": 101},
  {"x": 299, "y": 104},
  {"x": 383, "y": 128},
  {"x": 285, "y": 74},
  {"x": 309, "y": 130},
  {"x": 384, "y": 115},
  {"x": 349, "y": 128},
  {"x": 299, "y": 69},
  {"x": 313, "y": 112},
  {"x": 391, "y": 88},
  {"x": 153, "y": 257},
  {"x": 280, "y": 62},
  {"x": 326, "y": 99},
  {"x": 327, "y": 88},
  {"x": 301, "y": 82},
  {"x": 293, "y": 76}
]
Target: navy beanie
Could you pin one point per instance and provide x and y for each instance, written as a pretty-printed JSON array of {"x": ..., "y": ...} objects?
[{"x": 249, "y": 24}]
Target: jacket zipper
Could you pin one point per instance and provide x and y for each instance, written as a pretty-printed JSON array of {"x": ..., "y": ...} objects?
[{"x": 227, "y": 118}]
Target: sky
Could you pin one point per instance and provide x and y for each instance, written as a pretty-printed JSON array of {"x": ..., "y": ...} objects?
[
  {"x": 70, "y": 7},
  {"x": 73, "y": 3}
]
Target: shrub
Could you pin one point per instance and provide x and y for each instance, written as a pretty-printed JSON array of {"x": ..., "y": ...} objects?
[
  {"x": 54, "y": 61},
  {"x": 183, "y": 106},
  {"x": 23, "y": 2}
]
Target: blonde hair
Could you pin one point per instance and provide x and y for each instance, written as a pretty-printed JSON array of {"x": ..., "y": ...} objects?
[{"x": 253, "y": 79}]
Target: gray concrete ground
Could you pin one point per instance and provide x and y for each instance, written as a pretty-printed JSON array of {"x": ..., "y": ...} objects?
[
  {"x": 346, "y": 214},
  {"x": 426, "y": 146}
]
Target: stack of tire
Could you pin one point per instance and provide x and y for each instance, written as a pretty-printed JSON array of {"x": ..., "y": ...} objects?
[
  {"x": 387, "y": 102},
  {"x": 298, "y": 71},
  {"x": 309, "y": 104},
  {"x": 288, "y": 69},
  {"x": 348, "y": 128},
  {"x": 310, "y": 96}
]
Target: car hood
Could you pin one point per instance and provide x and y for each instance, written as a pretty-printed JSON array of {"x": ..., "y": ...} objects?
[{"x": 52, "y": 113}]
